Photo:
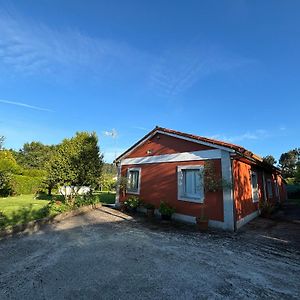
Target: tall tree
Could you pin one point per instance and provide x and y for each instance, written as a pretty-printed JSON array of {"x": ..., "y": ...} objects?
[
  {"x": 270, "y": 160},
  {"x": 76, "y": 162},
  {"x": 34, "y": 155},
  {"x": 288, "y": 162}
]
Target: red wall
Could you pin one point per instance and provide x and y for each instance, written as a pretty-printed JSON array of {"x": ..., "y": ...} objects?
[
  {"x": 163, "y": 144},
  {"x": 242, "y": 191},
  {"x": 159, "y": 183}
]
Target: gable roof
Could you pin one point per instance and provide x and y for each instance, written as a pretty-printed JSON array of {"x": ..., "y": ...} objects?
[{"x": 199, "y": 139}]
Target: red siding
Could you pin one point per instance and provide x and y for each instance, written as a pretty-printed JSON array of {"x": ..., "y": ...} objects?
[
  {"x": 163, "y": 144},
  {"x": 159, "y": 183}
]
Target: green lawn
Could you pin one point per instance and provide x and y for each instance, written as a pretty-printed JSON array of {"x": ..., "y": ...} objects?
[
  {"x": 10, "y": 205},
  {"x": 24, "y": 208}
]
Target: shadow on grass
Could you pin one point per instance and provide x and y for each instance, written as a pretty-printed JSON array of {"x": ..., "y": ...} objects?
[{"x": 24, "y": 215}]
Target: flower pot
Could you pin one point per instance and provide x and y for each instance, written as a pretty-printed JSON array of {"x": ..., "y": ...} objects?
[
  {"x": 202, "y": 225},
  {"x": 166, "y": 217},
  {"x": 150, "y": 212}
]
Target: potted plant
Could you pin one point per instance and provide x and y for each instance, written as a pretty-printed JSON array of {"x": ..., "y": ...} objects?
[
  {"x": 132, "y": 203},
  {"x": 166, "y": 211},
  {"x": 266, "y": 209},
  {"x": 202, "y": 220},
  {"x": 150, "y": 209}
]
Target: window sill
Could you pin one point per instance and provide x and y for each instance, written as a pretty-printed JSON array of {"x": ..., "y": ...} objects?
[
  {"x": 186, "y": 199},
  {"x": 133, "y": 192}
]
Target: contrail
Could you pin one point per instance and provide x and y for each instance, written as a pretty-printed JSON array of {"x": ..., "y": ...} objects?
[{"x": 25, "y": 105}]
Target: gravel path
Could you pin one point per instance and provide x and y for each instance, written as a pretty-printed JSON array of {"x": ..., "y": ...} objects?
[{"x": 106, "y": 254}]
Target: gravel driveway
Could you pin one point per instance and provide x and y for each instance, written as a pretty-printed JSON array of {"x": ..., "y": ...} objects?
[{"x": 106, "y": 254}]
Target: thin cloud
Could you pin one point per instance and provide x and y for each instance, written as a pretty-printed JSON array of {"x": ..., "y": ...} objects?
[
  {"x": 249, "y": 135},
  {"x": 25, "y": 105},
  {"x": 32, "y": 48},
  {"x": 140, "y": 128},
  {"x": 177, "y": 69}
]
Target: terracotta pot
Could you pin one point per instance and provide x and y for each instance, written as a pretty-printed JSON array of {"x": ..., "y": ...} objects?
[
  {"x": 202, "y": 225},
  {"x": 150, "y": 212}
]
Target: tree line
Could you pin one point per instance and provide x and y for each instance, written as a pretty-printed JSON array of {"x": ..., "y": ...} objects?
[
  {"x": 74, "y": 162},
  {"x": 289, "y": 163}
]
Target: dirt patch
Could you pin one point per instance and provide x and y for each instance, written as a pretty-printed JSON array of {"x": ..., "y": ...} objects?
[{"x": 106, "y": 254}]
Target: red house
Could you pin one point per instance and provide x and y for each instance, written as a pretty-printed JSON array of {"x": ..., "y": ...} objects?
[{"x": 183, "y": 169}]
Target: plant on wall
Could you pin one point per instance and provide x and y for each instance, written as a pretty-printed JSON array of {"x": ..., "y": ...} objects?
[
  {"x": 212, "y": 181},
  {"x": 122, "y": 184}
]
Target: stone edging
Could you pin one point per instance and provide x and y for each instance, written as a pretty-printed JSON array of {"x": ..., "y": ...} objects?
[{"x": 36, "y": 225}]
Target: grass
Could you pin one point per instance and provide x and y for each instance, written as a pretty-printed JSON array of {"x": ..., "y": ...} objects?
[
  {"x": 24, "y": 208},
  {"x": 10, "y": 205}
]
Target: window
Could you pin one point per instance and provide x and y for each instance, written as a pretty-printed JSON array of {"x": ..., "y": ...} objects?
[
  {"x": 255, "y": 196},
  {"x": 269, "y": 188},
  {"x": 134, "y": 180},
  {"x": 190, "y": 183}
]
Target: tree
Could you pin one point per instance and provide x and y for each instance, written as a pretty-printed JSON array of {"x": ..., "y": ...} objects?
[
  {"x": 33, "y": 155},
  {"x": 8, "y": 162},
  {"x": 76, "y": 162},
  {"x": 288, "y": 162},
  {"x": 269, "y": 159}
]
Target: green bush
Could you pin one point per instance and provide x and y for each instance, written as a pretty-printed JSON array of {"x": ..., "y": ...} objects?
[
  {"x": 166, "y": 209},
  {"x": 5, "y": 184},
  {"x": 86, "y": 200},
  {"x": 26, "y": 185},
  {"x": 132, "y": 202}
]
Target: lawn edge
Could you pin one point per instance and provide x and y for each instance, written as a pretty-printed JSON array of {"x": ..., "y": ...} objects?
[{"x": 36, "y": 225}]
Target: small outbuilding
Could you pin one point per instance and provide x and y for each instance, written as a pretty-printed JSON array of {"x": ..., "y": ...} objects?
[{"x": 190, "y": 172}]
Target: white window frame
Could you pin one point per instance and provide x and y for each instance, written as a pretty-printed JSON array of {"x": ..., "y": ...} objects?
[
  {"x": 180, "y": 195},
  {"x": 254, "y": 199},
  {"x": 269, "y": 188},
  {"x": 128, "y": 191},
  {"x": 277, "y": 195}
]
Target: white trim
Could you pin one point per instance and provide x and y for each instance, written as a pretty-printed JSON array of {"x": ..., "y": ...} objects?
[
  {"x": 139, "y": 181},
  {"x": 184, "y": 156},
  {"x": 117, "y": 200},
  {"x": 252, "y": 191},
  {"x": 184, "y": 218},
  {"x": 179, "y": 137},
  {"x": 247, "y": 219},
  {"x": 265, "y": 187},
  {"x": 180, "y": 195},
  {"x": 227, "y": 191}
]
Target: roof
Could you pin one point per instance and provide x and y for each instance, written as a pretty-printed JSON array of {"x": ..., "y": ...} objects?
[{"x": 228, "y": 146}]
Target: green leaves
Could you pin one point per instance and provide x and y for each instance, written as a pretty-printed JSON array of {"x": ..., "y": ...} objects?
[{"x": 76, "y": 161}]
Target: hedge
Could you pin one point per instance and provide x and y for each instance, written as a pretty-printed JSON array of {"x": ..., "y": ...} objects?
[{"x": 26, "y": 184}]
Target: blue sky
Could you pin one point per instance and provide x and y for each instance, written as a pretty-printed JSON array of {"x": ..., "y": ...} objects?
[{"x": 223, "y": 69}]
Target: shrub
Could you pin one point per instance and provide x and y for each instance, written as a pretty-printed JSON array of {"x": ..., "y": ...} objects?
[
  {"x": 166, "y": 209},
  {"x": 132, "y": 202},
  {"x": 86, "y": 200},
  {"x": 6, "y": 184},
  {"x": 26, "y": 184}
]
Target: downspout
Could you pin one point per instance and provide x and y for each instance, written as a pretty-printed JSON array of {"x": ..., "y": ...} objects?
[{"x": 233, "y": 195}]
